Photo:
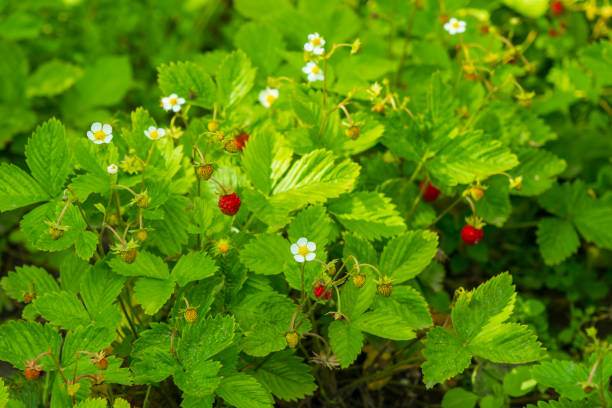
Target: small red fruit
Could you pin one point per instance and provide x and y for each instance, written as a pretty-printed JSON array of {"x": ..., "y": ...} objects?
[
  {"x": 556, "y": 7},
  {"x": 321, "y": 293},
  {"x": 431, "y": 193},
  {"x": 241, "y": 139},
  {"x": 31, "y": 373},
  {"x": 229, "y": 204},
  {"x": 552, "y": 32},
  {"x": 101, "y": 364},
  {"x": 471, "y": 235}
]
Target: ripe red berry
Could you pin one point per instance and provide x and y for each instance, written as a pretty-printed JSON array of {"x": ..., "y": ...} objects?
[
  {"x": 471, "y": 235},
  {"x": 229, "y": 204},
  {"x": 31, "y": 373},
  {"x": 556, "y": 7},
  {"x": 101, "y": 364},
  {"x": 552, "y": 32},
  {"x": 431, "y": 193},
  {"x": 240, "y": 140},
  {"x": 321, "y": 293}
]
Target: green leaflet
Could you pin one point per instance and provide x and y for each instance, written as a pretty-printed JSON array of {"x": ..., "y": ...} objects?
[
  {"x": 192, "y": 267},
  {"x": 243, "y": 391},
  {"x": 405, "y": 256},
  {"x": 188, "y": 80},
  {"x": 346, "y": 342},
  {"x": 18, "y": 189},
  {"x": 235, "y": 78}
]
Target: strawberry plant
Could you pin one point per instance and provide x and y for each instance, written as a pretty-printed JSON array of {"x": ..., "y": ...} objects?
[{"x": 267, "y": 203}]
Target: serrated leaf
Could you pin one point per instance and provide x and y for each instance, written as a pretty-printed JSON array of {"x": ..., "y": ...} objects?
[
  {"x": 18, "y": 189},
  {"x": 509, "y": 343},
  {"x": 563, "y": 376},
  {"x": 313, "y": 223},
  {"x": 154, "y": 365},
  {"x": 199, "y": 379},
  {"x": 28, "y": 279},
  {"x": 85, "y": 245},
  {"x": 490, "y": 304},
  {"x": 235, "y": 78},
  {"x": 135, "y": 137},
  {"x": 243, "y": 391},
  {"x": 92, "y": 403},
  {"x": 263, "y": 45},
  {"x": 158, "y": 336},
  {"x": 383, "y": 325},
  {"x": 346, "y": 342},
  {"x": 405, "y": 256},
  {"x": 594, "y": 221},
  {"x": 145, "y": 264},
  {"x": 469, "y": 157},
  {"x": 557, "y": 240},
  {"x": 356, "y": 301},
  {"x": 192, "y": 267},
  {"x": 369, "y": 214},
  {"x": 99, "y": 289},
  {"x": 266, "y": 254},
  {"x": 205, "y": 338},
  {"x": 265, "y": 159},
  {"x": 4, "y": 394},
  {"x": 355, "y": 245},
  {"x": 407, "y": 306},
  {"x": 90, "y": 338},
  {"x": 63, "y": 309},
  {"x": 459, "y": 398},
  {"x": 538, "y": 168},
  {"x": 171, "y": 233},
  {"x": 286, "y": 376},
  {"x": 152, "y": 293},
  {"x": 21, "y": 341},
  {"x": 37, "y": 232},
  {"x": 52, "y": 78},
  {"x": 445, "y": 357},
  {"x": 494, "y": 206},
  {"x": 184, "y": 78}
]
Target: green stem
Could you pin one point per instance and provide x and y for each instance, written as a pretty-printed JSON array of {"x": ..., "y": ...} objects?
[
  {"x": 418, "y": 169},
  {"x": 303, "y": 286},
  {"x": 405, "y": 49},
  {"x": 127, "y": 316},
  {"x": 146, "y": 400},
  {"x": 443, "y": 213},
  {"x": 417, "y": 200}
]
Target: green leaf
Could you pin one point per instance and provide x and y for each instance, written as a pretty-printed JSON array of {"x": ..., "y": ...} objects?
[
  {"x": 262, "y": 44},
  {"x": 90, "y": 338},
  {"x": 489, "y": 304},
  {"x": 459, "y": 398},
  {"x": 538, "y": 168},
  {"x": 468, "y": 157},
  {"x": 406, "y": 306},
  {"x": 152, "y": 293},
  {"x": 405, "y": 256},
  {"x": 313, "y": 223},
  {"x": 358, "y": 247},
  {"x": 494, "y": 206},
  {"x": 199, "y": 379},
  {"x": 62, "y": 309},
  {"x": 519, "y": 381},
  {"x": 445, "y": 357},
  {"x": 563, "y": 376},
  {"x": 557, "y": 240},
  {"x": 37, "y": 232},
  {"x": 193, "y": 267},
  {"x": 235, "y": 78},
  {"x": 21, "y": 341},
  {"x": 266, "y": 254},
  {"x": 285, "y": 375},
  {"x": 18, "y": 189},
  {"x": 155, "y": 365},
  {"x": 261, "y": 9},
  {"x": 52, "y": 78},
  {"x": 99, "y": 290},
  {"x": 594, "y": 221},
  {"x": 28, "y": 279},
  {"x": 185, "y": 78},
  {"x": 265, "y": 159},
  {"x": 383, "y": 325},
  {"x": 355, "y": 301},
  {"x": 204, "y": 339},
  {"x": 346, "y": 342},
  {"x": 85, "y": 245},
  {"x": 243, "y": 391},
  {"x": 171, "y": 232},
  {"x": 509, "y": 343},
  {"x": 564, "y": 403},
  {"x": 145, "y": 264},
  {"x": 4, "y": 394},
  {"x": 92, "y": 403},
  {"x": 369, "y": 214},
  {"x": 315, "y": 178},
  {"x": 134, "y": 136}
]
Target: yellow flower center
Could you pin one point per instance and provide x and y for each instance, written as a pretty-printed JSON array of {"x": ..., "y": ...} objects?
[
  {"x": 173, "y": 101},
  {"x": 153, "y": 134},
  {"x": 316, "y": 42},
  {"x": 270, "y": 99},
  {"x": 316, "y": 69},
  {"x": 456, "y": 24},
  {"x": 99, "y": 135},
  {"x": 303, "y": 250}
]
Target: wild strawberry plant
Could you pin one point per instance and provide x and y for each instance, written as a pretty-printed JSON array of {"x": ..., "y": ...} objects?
[{"x": 339, "y": 203}]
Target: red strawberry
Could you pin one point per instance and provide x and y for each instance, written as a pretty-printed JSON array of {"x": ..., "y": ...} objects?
[
  {"x": 431, "y": 193},
  {"x": 556, "y": 7},
  {"x": 229, "y": 204},
  {"x": 471, "y": 235},
  {"x": 240, "y": 140},
  {"x": 321, "y": 293},
  {"x": 31, "y": 373}
]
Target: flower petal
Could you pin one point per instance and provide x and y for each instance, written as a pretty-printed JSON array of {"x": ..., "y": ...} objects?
[
  {"x": 108, "y": 129},
  {"x": 161, "y": 132},
  {"x": 181, "y": 100},
  {"x": 108, "y": 138},
  {"x": 310, "y": 256},
  {"x": 176, "y": 108},
  {"x": 173, "y": 96},
  {"x": 308, "y": 47},
  {"x": 294, "y": 249},
  {"x": 299, "y": 258},
  {"x": 274, "y": 92},
  {"x": 302, "y": 241},
  {"x": 90, "y": 135},
  {"x": 318, "y": 51},
  {"x": 311, "y": 246}
]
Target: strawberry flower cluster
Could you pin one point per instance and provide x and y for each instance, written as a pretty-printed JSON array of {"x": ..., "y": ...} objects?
[
  {"x": 314, "y": 50},
  {"x": 303, "y": 250}
]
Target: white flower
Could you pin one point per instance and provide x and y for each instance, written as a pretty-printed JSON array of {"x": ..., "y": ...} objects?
[
  {"x": 155, "y": 133},
  {"x": 172, "y": 102},
  {"x": 455, "y": 26},
  {"x": 112, "y": 169},
  {"x": 313, "y": 71},
  {"x": 303, "y": 250},
  {"x": 315, "y": 44},
  {"x": 268, "y": 96},
  {"x": 100, "y": 134}
]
